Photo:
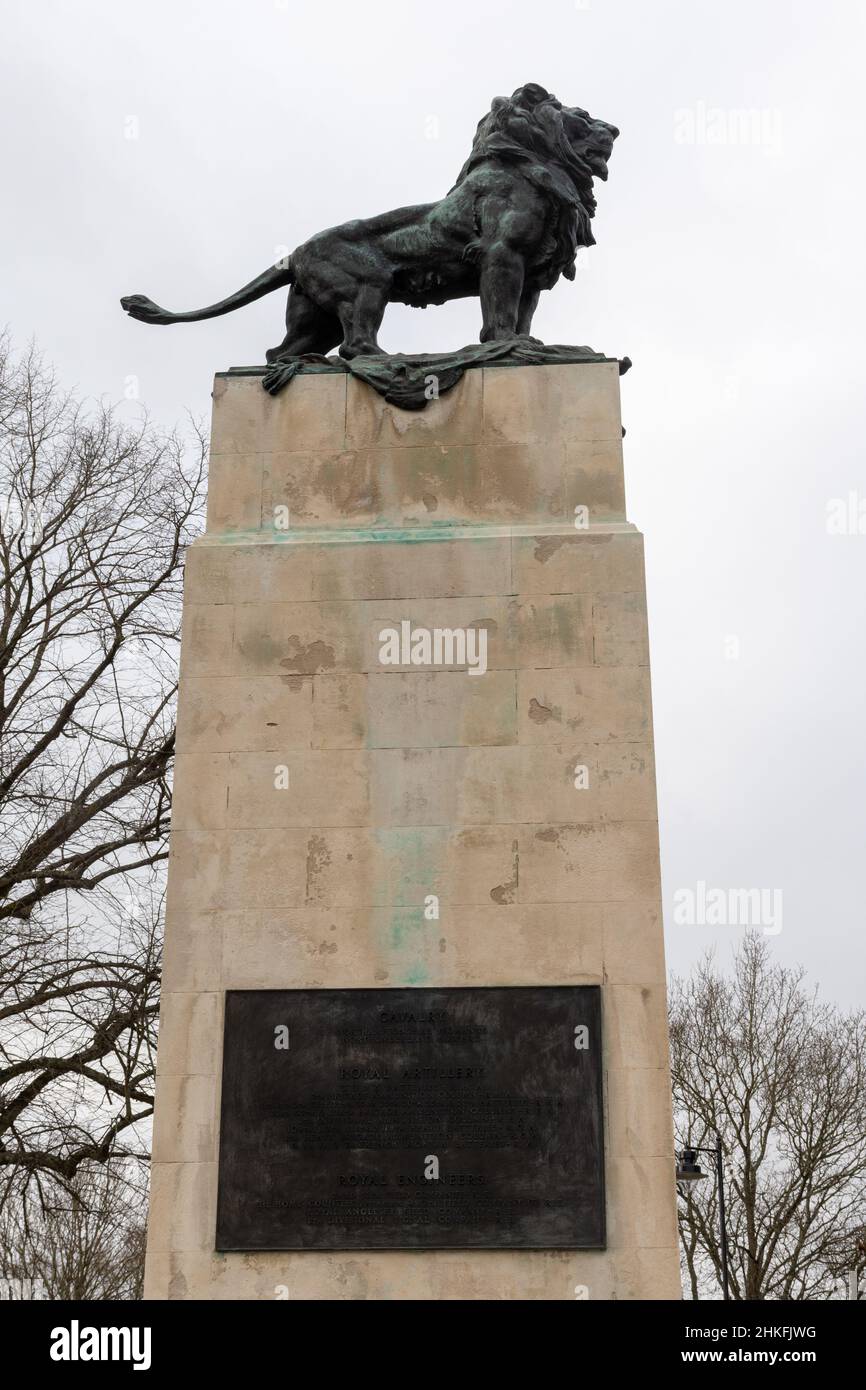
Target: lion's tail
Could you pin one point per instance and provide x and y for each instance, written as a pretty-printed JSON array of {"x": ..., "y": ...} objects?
[{"x": 138, "y": 306}]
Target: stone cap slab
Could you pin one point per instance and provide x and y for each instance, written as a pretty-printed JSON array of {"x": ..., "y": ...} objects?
[{"x": 508, "y": 445}]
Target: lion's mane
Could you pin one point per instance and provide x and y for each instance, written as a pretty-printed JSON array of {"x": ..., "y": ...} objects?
[{"x": 527, "y": 130}]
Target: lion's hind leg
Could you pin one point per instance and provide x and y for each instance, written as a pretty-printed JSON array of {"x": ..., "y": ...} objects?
[
  {"x": 361, "y": 318},
  {"x": 347, "y": 274},
  {"x": 308, "y": 329}
]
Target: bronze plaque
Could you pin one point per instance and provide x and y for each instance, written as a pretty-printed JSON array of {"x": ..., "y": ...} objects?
[{"x": 368, "y": 1119}]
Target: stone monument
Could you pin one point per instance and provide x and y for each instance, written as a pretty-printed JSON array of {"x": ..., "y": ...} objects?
[{"x": 413, "y": 1039}]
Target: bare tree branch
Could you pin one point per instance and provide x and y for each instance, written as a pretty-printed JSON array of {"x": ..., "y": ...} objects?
[
  {"x": 780, "y": 1077},
  {"x": 95, "y": 519}
]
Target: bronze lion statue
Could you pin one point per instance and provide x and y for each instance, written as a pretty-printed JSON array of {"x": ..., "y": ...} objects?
[{"x": 511, "y": 225}]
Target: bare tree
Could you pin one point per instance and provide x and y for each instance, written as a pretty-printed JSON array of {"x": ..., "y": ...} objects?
[
  {"x": 781, "y": 1077},
  {"x": 87, "y": 1242},
  {"x": 95, "y": 517}
]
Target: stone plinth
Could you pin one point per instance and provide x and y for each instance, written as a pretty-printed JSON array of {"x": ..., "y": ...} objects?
[{"x": 523, "y": 799}]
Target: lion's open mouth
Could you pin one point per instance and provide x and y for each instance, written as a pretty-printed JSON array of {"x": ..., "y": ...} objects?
[
  {"x": 600, "y": 151},
  {"x": 591, "y": 140}
]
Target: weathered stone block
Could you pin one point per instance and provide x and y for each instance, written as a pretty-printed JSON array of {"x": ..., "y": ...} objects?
[{"x": 341, "y": 822}]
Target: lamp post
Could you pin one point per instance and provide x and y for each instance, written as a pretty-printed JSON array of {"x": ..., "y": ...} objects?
[{"x": 689, "y": 1170}]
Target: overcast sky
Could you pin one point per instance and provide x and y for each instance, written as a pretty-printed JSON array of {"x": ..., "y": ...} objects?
[{"x": 172, "y": 148}]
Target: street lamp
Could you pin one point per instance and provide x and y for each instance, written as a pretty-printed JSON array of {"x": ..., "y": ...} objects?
[{"x": 689, "y": 1171}]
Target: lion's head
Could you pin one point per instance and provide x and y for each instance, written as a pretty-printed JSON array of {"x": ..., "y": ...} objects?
[{"x": 562, "y": 147}]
